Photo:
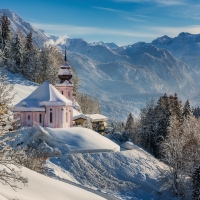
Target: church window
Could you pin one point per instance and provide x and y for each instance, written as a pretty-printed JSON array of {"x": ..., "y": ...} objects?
[
  {"x": 68, "y": 93},
  {"x": 28, "y": 117},
  {"x": 51, "y": 116},
  {"x": 40, "y": 118}
]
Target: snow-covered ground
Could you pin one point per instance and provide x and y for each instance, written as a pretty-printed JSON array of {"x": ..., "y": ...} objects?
[
  {"x": 41, "y": 187},
  {"x": 60, "y": 141},
  {"x": 133, "y": 174},
  {"x": 22, "y": 87}
]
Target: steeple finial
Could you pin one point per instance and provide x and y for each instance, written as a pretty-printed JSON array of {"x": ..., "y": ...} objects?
[{"x": 65, "y": 54}]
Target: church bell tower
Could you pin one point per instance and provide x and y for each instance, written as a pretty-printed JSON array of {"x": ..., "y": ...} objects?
[{"x": 65, "y": 86}]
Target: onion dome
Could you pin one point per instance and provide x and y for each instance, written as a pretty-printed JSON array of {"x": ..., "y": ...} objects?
[{"x": 65, "y": 71}]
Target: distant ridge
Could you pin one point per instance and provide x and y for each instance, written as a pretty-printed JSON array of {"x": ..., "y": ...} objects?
[{"x": 124, "y": 78}]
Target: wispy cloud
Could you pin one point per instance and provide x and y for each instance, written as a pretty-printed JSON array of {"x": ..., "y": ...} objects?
[
  {"x": 71, "y": 30},
  {"x": 174, "y": 31},
  {"x": 191, "y": 11},
  {"x": 124, "y": 14},
  {"x": 146, "y": 31},
  {"x": 161, "y": 2},
  {"x": 107, "y": 9},
  {"x": 135, "y": 19}
]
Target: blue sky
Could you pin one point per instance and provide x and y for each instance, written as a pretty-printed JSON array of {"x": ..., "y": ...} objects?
[{"x": 120, "y": 21}]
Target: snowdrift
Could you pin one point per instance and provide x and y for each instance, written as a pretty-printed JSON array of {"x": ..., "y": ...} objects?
[
  {"x": 41, "y": 187},
  {"x": 55, "y": 142},
  {"x": 133, "y": 173}
]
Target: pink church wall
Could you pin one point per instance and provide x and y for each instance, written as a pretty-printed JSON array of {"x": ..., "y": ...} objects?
[
  {"x": 62, "y": 117},
  {"x": 67, "y": 91}
]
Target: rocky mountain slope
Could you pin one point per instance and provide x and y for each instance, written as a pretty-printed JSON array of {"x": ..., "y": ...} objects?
[
  {"x": 185, "y": 47},
  {"x": 19, "y": 24},
  {"x": 125, "y": 78}
]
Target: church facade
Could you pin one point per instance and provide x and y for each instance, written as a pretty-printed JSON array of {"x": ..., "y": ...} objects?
[{"x": 49, "y": 106}]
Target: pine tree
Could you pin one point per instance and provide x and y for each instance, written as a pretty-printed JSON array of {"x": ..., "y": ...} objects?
[
  {"x": 5, "y": 30},
  {"x": 28, "y": 65},
  {"x": 17, "y": 54},
  {"x": 196, "y": 112},
  {"x": 29, "y": 42},
  {"x": 9, "y": 157},
  {"x": 129, "y": 127},
  {"x": 148, "y": 121},
  {"x": 5, "y": 40},
  {"x": 196, "y": 184},
  {"x": 76, "y": 82},
  {"x": 51, "y": 59},
  {"x": 187, "y": 110}
]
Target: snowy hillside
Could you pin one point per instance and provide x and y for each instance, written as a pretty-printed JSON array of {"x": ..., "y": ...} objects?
[
  {"x": 22, "y": 87},
  {"x": 133, "y": 174},
  {"x": 41, "y": 187}
]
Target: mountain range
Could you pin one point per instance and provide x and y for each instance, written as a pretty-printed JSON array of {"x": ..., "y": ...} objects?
[{"x": 124, "y": 78}]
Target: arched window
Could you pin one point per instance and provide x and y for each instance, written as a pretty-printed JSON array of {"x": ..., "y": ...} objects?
[
  {"x": 68, "y": 93},
  {"x": 51, "y": 116},
  {"x": 28, "y": 117}
]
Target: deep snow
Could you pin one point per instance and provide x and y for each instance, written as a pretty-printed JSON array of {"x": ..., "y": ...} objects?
[
  {"x": 60, "y": 141},
  {"x": 133, "y": 174},
  {"x": 41, "y": 187}
]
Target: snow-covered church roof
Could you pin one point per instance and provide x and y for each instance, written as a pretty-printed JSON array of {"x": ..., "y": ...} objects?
[{"x": 45, "y": 95}]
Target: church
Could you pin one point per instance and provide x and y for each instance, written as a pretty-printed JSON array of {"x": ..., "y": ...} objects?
[{"x": 49, "y": 106}]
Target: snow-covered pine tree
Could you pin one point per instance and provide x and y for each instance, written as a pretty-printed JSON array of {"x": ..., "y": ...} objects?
[
  {"x": 30, "y": 59},
  {"x": 29, "y": 42},
  {"x": 196, "y": 112},
  {"x": 148, "y": 121},
  {"x": 34, "y": 67},
  {"x": 187, "y": 110},
  {"x": 5, "y": 40},
  {"x": 173, "y": 148},
  {"x": 51, "y": 59},
  {"x": 1, "y": 39},
  {"x": 87, "y": 123},
  {"x": 10, "y": 159},
  {"x": 191, "y": 155},
  {"x": 129, "y": 127},
  {"x": 196, "y": 184},
  {"x": 17, "y": 54},
  {"x": 76, "y": 82},
  {"x": 5, "y": 30}
]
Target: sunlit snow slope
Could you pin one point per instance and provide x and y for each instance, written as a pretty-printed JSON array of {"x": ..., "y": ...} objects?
[
  {"x": 133, "y": 173},
  {"x": 41, "y": 187}
]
